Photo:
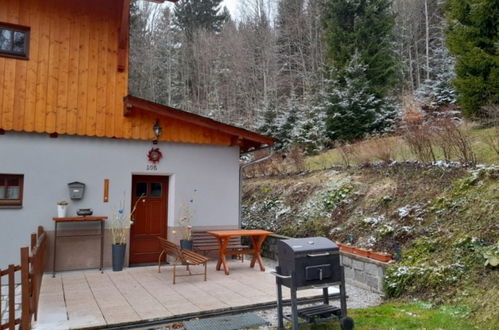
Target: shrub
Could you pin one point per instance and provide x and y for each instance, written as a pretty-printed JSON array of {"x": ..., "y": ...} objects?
[
  {"x": 296, "y": 158},
  {"x": 453, "y": 140},
  {"x": 347, "y": 152},
  {"x": 376, "y": 148},
  {"x": 418, "y": 137}
]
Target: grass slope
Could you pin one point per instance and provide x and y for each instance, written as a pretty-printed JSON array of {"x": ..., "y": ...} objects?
[
  {"x": 439, "y": 220},
  {"x": 399, "y": 151}
]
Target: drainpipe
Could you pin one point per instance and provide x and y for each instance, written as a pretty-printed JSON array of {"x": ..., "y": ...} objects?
[{"x": 242, "y": 167}]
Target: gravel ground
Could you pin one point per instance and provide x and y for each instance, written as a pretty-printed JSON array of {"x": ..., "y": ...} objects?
[{"x": 357, "y": 298}]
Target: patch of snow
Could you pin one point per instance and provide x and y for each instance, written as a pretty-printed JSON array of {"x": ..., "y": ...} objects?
[
  {"x": 404, "y": 211},
  {"x": 445, "y": 164},
  {"x": 374, "y": 221},
  {"x": 282, "y": 211}
]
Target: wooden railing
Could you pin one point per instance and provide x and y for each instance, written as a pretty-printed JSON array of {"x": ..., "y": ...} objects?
[{"x": 31, "y": 273}]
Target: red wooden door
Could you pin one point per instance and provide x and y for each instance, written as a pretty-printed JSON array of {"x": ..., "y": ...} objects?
[{"x": 149, "y": 218}]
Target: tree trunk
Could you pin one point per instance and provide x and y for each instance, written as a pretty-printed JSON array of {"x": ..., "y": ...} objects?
[{"x": 427, "y": 39}]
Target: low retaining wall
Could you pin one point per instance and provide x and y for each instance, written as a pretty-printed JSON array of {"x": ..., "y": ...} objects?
[
  {"x": 364, "y": 272},
  {"x": 360, "y": 271}
]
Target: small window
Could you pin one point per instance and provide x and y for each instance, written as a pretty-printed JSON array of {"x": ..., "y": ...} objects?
[
  {"x": 14, "y": 41},
  {"x": 11, "y": 190},
  {"x": 156, "y": 189},
  {"x": 141, "y": 189}
]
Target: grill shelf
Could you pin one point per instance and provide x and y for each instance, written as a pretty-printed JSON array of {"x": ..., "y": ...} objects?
[{"x": 317, "y": 313}]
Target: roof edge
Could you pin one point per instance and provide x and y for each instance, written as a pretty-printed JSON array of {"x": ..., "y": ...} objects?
[{"x": 240, "y": 135}]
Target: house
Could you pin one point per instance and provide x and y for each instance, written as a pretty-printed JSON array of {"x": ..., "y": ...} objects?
[{"x": 66, "y": 116}]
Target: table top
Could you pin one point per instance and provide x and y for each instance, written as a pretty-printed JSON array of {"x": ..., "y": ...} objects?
[
  {"x": 239, "y": 232},
  {"x": 80, "y": 218}
]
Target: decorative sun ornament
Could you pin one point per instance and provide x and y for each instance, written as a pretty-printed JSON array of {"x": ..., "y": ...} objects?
[{"x": 154, "y": 155}]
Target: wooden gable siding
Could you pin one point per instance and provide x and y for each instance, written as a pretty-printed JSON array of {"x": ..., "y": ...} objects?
[{"x": 70, "y": 84}]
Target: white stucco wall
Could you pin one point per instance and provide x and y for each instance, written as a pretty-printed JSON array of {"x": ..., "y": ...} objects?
[{"x": 50, "y": 164}]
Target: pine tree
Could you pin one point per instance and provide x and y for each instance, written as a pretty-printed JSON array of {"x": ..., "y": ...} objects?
[
  {"x": 362, "y": 59},
  {"x": 438, "y": 90},
  {"x": 362, "y": 27},
  {"x": 353, "y": 110},
  {"x": 473, "y": 38},
  {"x": 192, "y": 15}
]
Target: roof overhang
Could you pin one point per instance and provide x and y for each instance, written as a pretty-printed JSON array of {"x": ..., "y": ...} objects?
[{"x": 246, "y": 140}]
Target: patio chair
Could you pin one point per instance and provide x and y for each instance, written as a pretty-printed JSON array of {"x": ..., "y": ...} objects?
[{"x": 182, "y": 257}]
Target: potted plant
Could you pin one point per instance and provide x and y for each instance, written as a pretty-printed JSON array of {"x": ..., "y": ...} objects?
[
  {"x": 185, "y": 223},
  {"x": 120, "y": 223},
  {"x": 62, "y": 207}
]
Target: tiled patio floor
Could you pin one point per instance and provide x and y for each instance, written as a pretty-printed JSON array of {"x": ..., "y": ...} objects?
[{"x": 80, "y": 299}]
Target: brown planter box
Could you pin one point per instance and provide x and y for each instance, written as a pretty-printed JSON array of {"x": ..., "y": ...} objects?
[
  {"x": 361, "y": 252},
  {"x": 383, "y": 257},
  {"x": 346, "y": 248}
]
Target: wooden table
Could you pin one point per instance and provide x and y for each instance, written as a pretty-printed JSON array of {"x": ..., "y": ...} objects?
[
  {"x": 79, "y": 219},
  {"x": 256, "y": 237}
]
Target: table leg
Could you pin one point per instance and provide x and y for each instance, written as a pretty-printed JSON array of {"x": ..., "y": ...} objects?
[
  {"x": 225, "y": 243},
  {"x": 253, "y": 245},
  {"x": 257, "y": 248},
  {"x": 101, "y": 246},
  {"x": 55, "y": 249},
  {"x": 220, "y": 259}
]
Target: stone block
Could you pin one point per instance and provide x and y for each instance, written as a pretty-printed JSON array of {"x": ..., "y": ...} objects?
[
  {"x": 347, "y": 262},
  {"x": 380, "y": 284},
  {"x": 359, "y": 276},
  {"x": 372, "y": 282},
  {"x": 349, "y": 274},
  {"x": 371, "y": 269},
  {"x": 358, "y": 265}
]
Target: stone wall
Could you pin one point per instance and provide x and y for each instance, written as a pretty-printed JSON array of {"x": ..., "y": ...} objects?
[
  {"x": 364, "y": 272},
  {"x": 360, "y": 271}
]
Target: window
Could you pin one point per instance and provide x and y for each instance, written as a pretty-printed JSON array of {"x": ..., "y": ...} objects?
[
  {"x": 11, "y": 190},
  {"x": 14, "y": 41}
]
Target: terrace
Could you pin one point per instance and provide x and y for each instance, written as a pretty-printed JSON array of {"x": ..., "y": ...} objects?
[{"x": 89, "y": 299}]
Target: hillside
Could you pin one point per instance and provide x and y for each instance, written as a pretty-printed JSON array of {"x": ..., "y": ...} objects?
[{"x": 438, "y": 220}]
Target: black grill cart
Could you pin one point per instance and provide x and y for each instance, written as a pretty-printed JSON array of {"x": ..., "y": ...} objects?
[{"x": 306, "y": 263}]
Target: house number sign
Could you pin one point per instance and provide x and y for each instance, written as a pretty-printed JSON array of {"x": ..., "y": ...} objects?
[{"x": 153, "y": 156}]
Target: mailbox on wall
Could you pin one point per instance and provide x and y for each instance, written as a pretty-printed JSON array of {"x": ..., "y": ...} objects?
[{"x": 76, "y": 190}]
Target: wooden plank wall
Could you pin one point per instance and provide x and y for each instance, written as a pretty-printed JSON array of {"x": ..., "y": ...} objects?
[{"x": 70, "y": 83}]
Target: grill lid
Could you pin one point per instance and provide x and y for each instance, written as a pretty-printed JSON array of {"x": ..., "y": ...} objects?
[{"x": 308, "y": 244}]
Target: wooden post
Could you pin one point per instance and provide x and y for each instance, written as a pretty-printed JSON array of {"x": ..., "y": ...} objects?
[
  {"x": 106, "y": 190},
  {"x": 33, "y": 241},
  {"x": 12, "y": 297},
  {"x": 25, "y": 292}
]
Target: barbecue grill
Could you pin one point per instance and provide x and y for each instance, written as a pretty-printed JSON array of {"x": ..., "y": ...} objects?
[{"x": 306, "y": 263}]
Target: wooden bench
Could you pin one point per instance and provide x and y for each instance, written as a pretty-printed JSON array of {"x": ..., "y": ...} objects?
[
  {"x": 205, "y": 243},
  {"x": 182, "y": 257}
]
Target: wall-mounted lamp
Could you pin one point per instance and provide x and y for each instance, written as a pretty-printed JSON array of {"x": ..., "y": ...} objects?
[{"x": 157, "y": 131}]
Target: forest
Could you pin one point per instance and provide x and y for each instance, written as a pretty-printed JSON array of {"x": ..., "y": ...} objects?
[{"x": 315, "y": 74}]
